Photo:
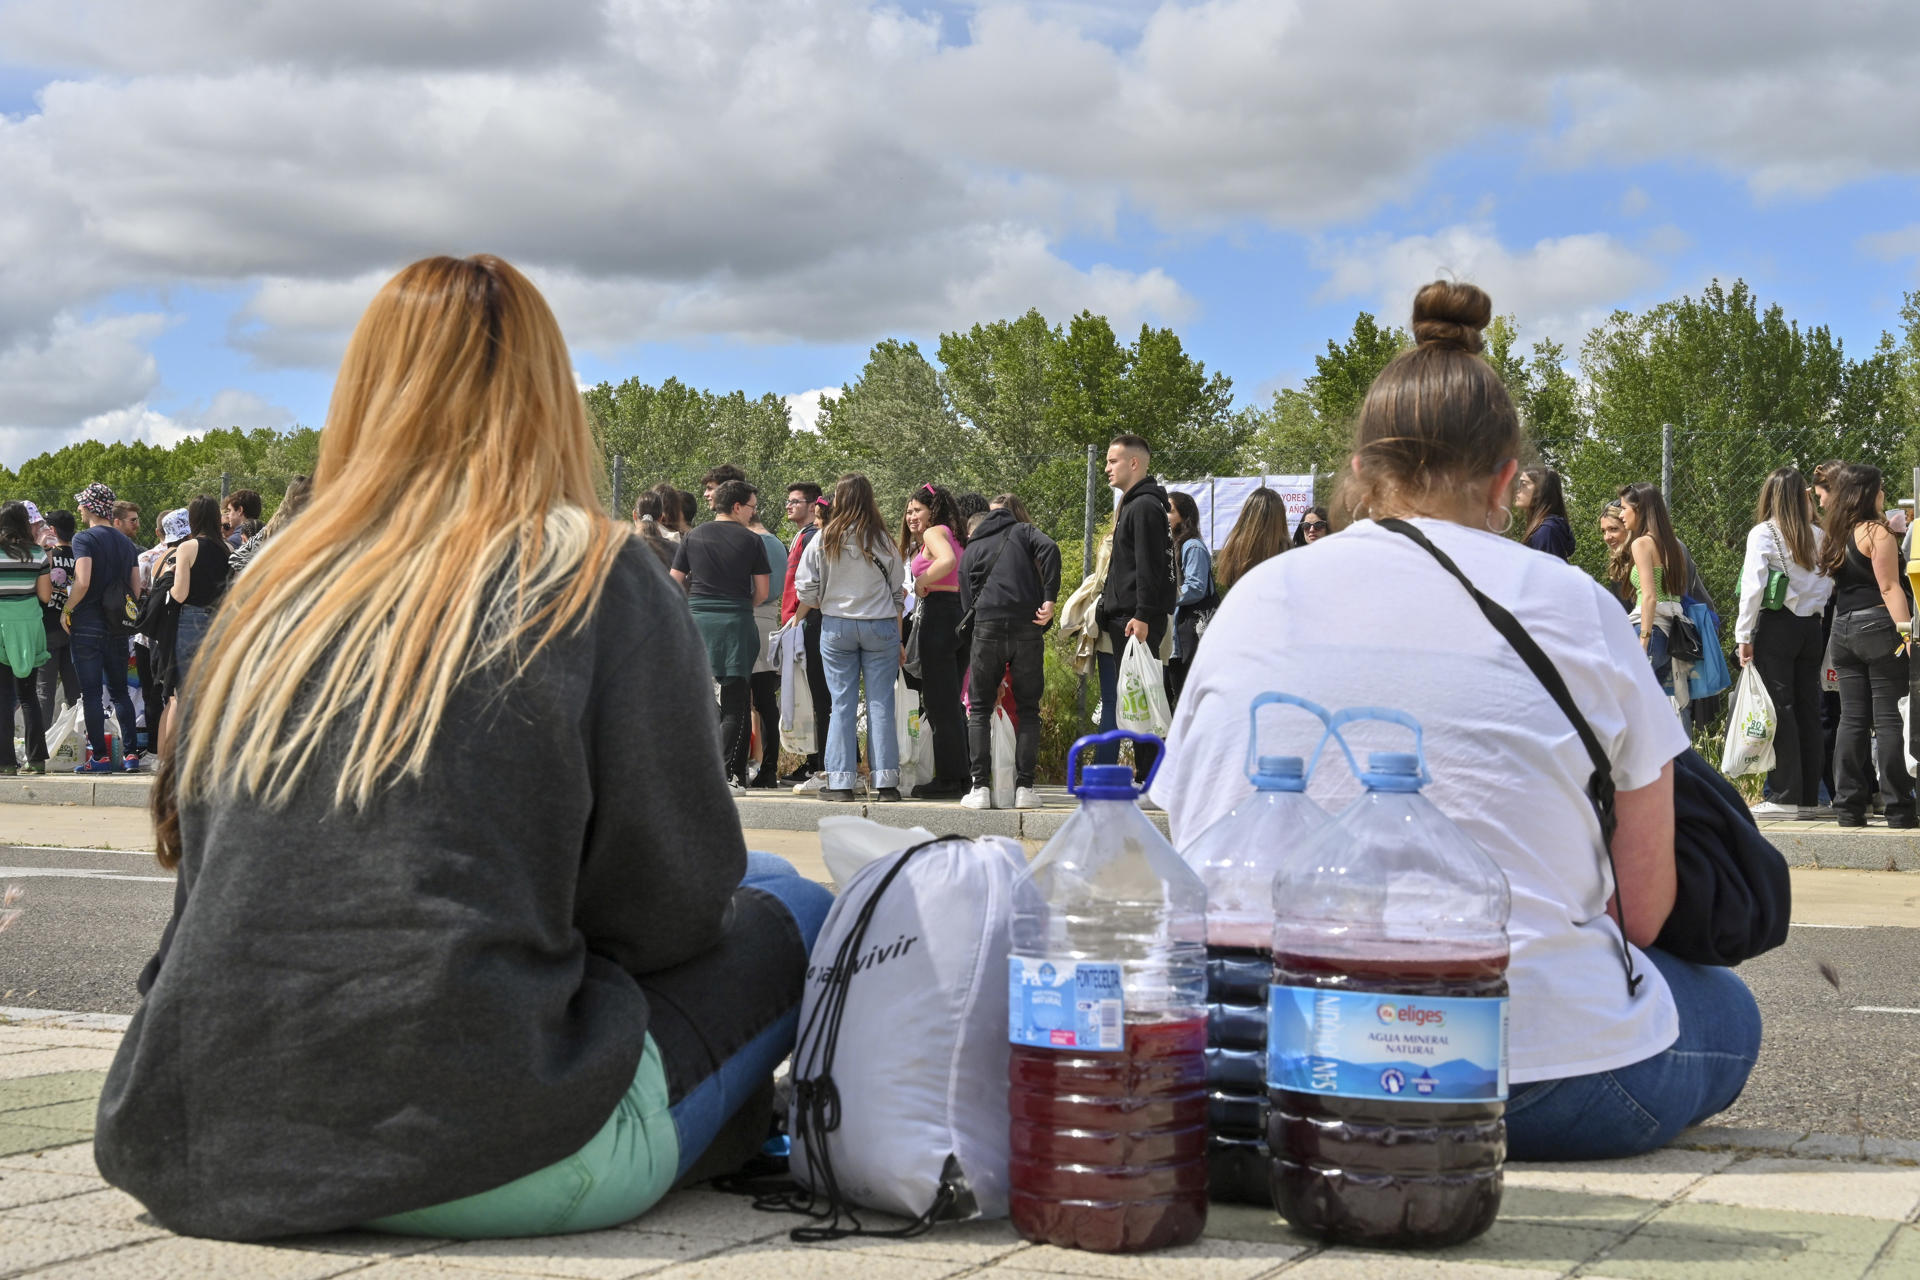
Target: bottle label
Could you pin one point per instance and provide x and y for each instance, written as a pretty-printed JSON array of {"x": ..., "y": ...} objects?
[
  {"x": 1368, "y": 1044},
  {"x": 1065, "y": 1004}
]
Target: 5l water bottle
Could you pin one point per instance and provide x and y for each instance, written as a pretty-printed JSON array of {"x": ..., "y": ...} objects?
[
  {"x": 1107, "y": 1017},
  {"x": 1387, "y": 1036},
  {"x": 1236, "y": 859}
]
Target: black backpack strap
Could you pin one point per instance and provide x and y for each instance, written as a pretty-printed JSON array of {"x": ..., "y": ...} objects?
[{"x": 1600, "y": 785}]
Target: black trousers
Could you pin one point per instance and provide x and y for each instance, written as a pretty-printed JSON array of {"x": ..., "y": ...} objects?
[
  {"x": 736, "y": 726},
  {"x": 817, "y": 687},
  {"x": 19, "y": 689},
  {"x": 764, "y": 687},
  {"x": 941, "y": 664},
  {"x": 1873, "y": 679},
  {"x": 57, "y": 673},
  {"x": 1787, "y": 652},
  {"x": 1000, "y": 644}
]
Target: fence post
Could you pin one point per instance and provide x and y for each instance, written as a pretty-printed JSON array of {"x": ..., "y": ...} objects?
[
  {"x": 1666, "y": 466},
  {"x": 619, "y": 485},
  {"x": 1313, "y": 485},
  {"x": 225, "y": 482}
]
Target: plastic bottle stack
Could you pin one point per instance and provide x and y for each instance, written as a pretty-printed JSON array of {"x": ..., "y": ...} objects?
[
  {"x": 1236, "y": 859},
  {"x": 1387, "y": 1037},
  {"x": 1107, "y": 1018}
]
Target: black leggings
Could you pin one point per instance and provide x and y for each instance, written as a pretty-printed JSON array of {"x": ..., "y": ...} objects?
[
  {"x": 817, "y": 689},
  {"x": 57, "y": 675},
  {"x": 20, "y": 689},
  {"x": 941, "y": 663},
  {"x": 765, "y": 689},
  {"x": 1787, "y": 652},
  {"x": 736, "y": 726}
]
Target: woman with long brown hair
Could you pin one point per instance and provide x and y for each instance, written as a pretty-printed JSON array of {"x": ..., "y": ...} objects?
[
  {"x": 1867, "y": 651},
  {"x": 1655, "y": 562},
  {"x": 852, "y": 575},
  {"x": 1540, "y": 500},
  {"x": 1259, "y": 534},
  {"x": 455, "y": 951},
  {"x": 1604, "y": 1063},
  {"x": 932, "y": 538},
  {"x": 1783, "y": 595}
]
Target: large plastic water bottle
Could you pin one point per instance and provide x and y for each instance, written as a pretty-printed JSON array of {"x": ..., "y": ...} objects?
[
  {"x": 1236, "y": 859},
  {"x": 1107, "y": 1018},
  {"x": 1387, "y": 1034}
]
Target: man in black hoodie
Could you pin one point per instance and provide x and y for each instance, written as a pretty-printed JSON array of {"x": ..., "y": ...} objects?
[
  {"x": 1139, "y": 595},
  {"x": 1009, "y": 579}
]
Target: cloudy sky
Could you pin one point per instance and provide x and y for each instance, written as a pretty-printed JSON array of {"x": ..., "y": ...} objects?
[{"x": 197, "y": 198}]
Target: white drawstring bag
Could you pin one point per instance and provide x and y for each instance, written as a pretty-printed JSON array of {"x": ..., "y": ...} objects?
[
  {"x": 1143, "y": 692},
  {"x": 1003, "y": 745},
  {"x": 1750, "y": 727},
  {"x": 900, "y": 1071}
]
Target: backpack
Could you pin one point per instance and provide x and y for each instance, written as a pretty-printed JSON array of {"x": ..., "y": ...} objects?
[{"x": 900, "y": 1072}]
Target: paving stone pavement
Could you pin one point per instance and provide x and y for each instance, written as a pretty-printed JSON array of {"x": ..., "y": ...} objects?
[{"x": 1732, "y": 1203}]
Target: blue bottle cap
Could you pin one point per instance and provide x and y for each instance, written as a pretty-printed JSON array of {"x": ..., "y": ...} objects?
[
  {"x": 1108, "y": 782},
  {"x": 1280, "y": 773},
  {"x": 1392, "y": 771}
]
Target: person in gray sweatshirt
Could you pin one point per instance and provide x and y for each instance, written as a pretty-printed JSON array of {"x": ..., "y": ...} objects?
[
  {"x": 454, "y": 951},
  {"x": 853, "y": 575}
]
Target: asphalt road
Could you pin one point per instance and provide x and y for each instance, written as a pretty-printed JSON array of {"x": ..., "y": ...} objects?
[{"x": 1824, "y": 1066}]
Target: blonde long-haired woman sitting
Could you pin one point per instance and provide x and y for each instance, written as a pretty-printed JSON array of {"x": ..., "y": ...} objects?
[{"x": 454, "y": 951}]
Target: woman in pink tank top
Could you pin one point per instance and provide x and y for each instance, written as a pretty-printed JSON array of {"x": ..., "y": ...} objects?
[{"x": 931, "y": 543}]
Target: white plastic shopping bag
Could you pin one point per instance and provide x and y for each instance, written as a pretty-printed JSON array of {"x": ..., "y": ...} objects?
[
  {"x": 1002, "y": 744},
  {"x": 1750, "y": 727},
  {"x": 68, "y": 727},
  {"x": 900, "y": 1070},
  {"x": 1906, "y": 734},
  {"x": 913, "y": 735},
  {"x": 1143, "y": 692}
]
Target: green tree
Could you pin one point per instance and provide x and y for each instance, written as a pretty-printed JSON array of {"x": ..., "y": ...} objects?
[{"x": 894, "y": 423}]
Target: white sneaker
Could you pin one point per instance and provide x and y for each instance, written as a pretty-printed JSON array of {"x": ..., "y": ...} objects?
[
  {"x": 1768, "y": 809},
  {"x": 1027, "y": 798},
  {"x": 818, "y": 782},
  {"x": 978, "y": 798},
  {"x": 736, "y": 788}
]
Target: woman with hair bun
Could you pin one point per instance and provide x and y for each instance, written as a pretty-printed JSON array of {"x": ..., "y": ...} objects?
[{"x": 1615, "y": 1046}]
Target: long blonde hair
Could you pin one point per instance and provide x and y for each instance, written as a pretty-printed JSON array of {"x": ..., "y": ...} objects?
[
  {"x": 456, "y": 399},
  {"x": 1786, "y": 500}
]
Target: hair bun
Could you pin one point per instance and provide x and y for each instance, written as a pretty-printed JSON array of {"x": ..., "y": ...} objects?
[{"x": 1449, "y": 313}]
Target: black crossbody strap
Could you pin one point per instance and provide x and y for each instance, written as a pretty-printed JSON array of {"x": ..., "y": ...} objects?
[{"x": 1600, "y": 784}]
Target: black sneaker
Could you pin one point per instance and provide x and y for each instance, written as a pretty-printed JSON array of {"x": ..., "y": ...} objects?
[
  {"x": 941, "y": 791},
  {"x": 888, "y": 795},
  {"x": 1851, "y": 819},
  {"x": 798, "y": 776},
  {"x": 836, "y": 794}
]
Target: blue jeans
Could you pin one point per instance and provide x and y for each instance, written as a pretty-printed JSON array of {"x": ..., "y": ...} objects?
[
  {"x": 98, "y": 656},
  {"x": 852, "y": 649},
  {"x": 1640, "y": 1107}
]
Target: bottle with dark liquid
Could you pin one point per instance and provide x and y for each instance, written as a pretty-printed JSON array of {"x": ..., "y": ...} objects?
[
  {"x": 1387, "y": 1030},
  {"x": 1107, "y": 1018},
  {"x": 1236, "y": 859}
]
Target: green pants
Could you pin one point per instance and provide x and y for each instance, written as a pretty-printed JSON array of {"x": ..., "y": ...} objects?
[{"x": 624, "y": 1170}]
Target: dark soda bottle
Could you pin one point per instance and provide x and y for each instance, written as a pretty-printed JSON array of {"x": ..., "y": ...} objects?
[
  {"x": 1341, "y": 1167},
  {"x": 1387, "y": 1028},
  {"x": 1236, "y": 859},
  {"x": 1108, "y": 1150},
  {"x": 1107, "y": 1020}
]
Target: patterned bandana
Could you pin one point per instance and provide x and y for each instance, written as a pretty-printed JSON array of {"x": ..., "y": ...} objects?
[
  {"x": 96, "y": 499},
  {"x": 33, "y": 514}
]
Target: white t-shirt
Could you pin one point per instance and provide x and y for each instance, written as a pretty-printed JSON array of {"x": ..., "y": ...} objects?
[{"x": 1367, "y": 618}]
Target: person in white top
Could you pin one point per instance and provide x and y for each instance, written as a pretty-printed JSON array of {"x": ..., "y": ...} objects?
[
  {"x": 1599, "y": 1070},
  {"x": 1782, "y": 636}
]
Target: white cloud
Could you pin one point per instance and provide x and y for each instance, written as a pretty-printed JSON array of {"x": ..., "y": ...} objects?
[
  {"x": 1635, "y": 201},
  {"x": 76, "y": 368},
  {"x": 1891, "y": 246},
  {"x": 803, "y": 407},
  {"x": 1557, "y": 288}
]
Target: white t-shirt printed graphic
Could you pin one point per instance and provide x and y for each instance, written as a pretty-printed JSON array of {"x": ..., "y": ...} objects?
[{"x": 1367, "y": 618}]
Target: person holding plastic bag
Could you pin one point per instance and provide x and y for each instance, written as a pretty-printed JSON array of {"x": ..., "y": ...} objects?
[
  {"x": 1137, "y": 603},
  {"x": 1615, "y": 1045},
  {"x": 1783, "y": 595},
  {"x": 1752, "y": 730},
  {"x": 1009, "y": 579},
  {"x": 852, "y": 574}
]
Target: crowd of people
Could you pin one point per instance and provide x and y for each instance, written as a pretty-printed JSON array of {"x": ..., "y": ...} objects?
[
  {"x": 83, "y": 606},
  {"x": 425, "y": 778}
]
